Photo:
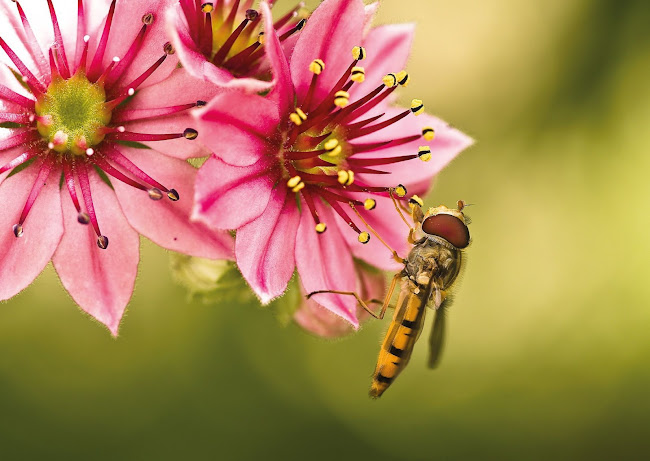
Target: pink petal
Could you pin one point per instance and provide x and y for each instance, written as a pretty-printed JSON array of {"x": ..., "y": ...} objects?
[
  {"x": 179, "y": 88},
  {"x": 330, "y": 34},
  {"x": 227, "y": 197},
  {"x": 447, "y": 144},
  {"x": 265, "y": 247},
  {"x": 239, "y": 128},
  {"x": 24, "y": 258},
  {"x": 324, "y": 263},
  {"x": 283, "y": 92},
  {"x": 100, "y": 281},
  {"x": 317, "y": 320},
  {"x": 385, "y": 220},
  {"x": 127, "y": 22},
  {"x": 165, "y": 222},
  {"x": 370, "y": 11},
  {"x": 388, "y": 48}
]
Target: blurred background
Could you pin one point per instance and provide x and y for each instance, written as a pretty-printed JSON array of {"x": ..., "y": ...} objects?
[{"x": 548, "y": 353}]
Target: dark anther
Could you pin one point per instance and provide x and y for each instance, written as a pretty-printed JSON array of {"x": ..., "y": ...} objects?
[
  {"x": 147, "y": 19},
  {"x": 83, "y": 218},
  {"x": 18, "y": 230},
  {"x": 301, "y": 24},
  {"x": 155, "y": 193},
  {"x": 200, "y": 103},
  {"x": 173, "y": 195},
  {"x": 168, "y": 48},
  {"x": 190, "y": 133},
  {"x": 102, "y": 242},
  {"x": 251, "y": 15}
]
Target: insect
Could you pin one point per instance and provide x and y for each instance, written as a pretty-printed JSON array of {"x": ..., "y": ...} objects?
[{"x": 430, "y": 269}]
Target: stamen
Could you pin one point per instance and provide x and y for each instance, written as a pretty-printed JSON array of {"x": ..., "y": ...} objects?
[
  {"x": 147, "y": 19},
  {"x": 341, "y": 98},
  {"x": 321, "y": 227},
  {"x": 380, "y": 126},
  {"x": 22, "y": 158},
  {"x": 225, "y": 48},
  {"x": 32, "y": 82},
  {"x": 298, "y": 117},
  {"x": 428, "y": 133},
  {"x": 95, "y": 66},
  {"x": 345, "y": 177},
  {"x": 400, "y": 190},
  {"x": 32, "y": 41},
  {"x": 146, "y": 74},
  {"x": 364, "y": 237},
  {"x": 58, "y": 40},
  {"x": 417, "y": 107},
  {"x": 358, "y": 53},
  {"x": 141, "y": 114},
  {"x": 14, "y": 118},
  {"x": 390, "y": 80},
  {"x": 128, "y": 57},
  {"x": 424, "y": 152},
  {"x": 358, "y": 74},
  {"x": 369, "y": 204},
  {"x": 403, "y": 78},
  {"x": 380, "y": 161},
  {"x": 11, "y": 96},
  {"x": 39, "y": 183},
  {"x": 84, "y": 54},
  {"x": 84, "y": 183},
  {"x": 317, "y": 66},
  {"x": 22, "y": 136},
  {"x": 206, "y": 32},
  {"x": 81, "y": 33},
  {"x": 82, "y": 218}
]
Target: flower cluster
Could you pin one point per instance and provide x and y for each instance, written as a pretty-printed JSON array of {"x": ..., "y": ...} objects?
[{"x": 103, "y": 102}]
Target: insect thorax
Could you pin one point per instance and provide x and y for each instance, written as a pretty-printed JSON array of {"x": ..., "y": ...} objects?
[{"x": 429, "y": 259}]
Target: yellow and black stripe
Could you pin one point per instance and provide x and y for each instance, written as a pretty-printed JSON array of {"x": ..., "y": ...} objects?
[{"x": 404, "y": 330}]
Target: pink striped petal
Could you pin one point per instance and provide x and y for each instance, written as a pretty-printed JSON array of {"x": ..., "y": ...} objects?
[
  {"x": 100, "y": 281},
  {"x": 165, "y": 222},
  {"x": 265, "y": 247},
  {"x": 24, "y": 258},
  {"x": 324, "y": 263},
  {"x": 283, "y": 91}
]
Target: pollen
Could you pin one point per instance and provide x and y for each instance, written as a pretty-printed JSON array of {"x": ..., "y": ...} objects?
[
  {"x": 417, "y": 106},
  {"x": 346, "y": 177},
  {"x": 300, "y": 186},
  {"x": 390, "y": 80},
  {"x": 358, "y": 74},
  {"x": 428, "y": 133},
  {"x": 321, "y": 227},
  {"x": 190, "y": 133},
  {"x": 317, "y": 66},
  {"x": 400, "y": 190},
  {"x": 341, "y": 98},
  {"x": 293, "y": 182},
  {"x": 369, "y": 204},
  {"x": 403, "y": 78},
  {"x": 358, "y": 53},
  {"x": 331, "y": 144},
  {"x": 424, "y": 153},
  {"x": 364, "y": 237},
  {"x": 416, "y": 201},
  {"x": 207, "y": 7},
  {"x": 260, "y": 38}
]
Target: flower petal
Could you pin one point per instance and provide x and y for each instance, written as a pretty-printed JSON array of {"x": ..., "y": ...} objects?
[
  {"x": 179, "y": 88},
  {"x": 265, "y": 247},
  {"x": 24, "y": 258},
  {"x": 330, "y": 34},
  {"x": 283, "y": 91},
  {"x": 388, "y": 48},
  {"x": 238, "y": 126},
  {"x": 100, "y": 281},
  {"x": 227, "y": 196},
  {"x": 165, "y": 222},
  {"x": 324, "y": 263},
  {"x": 446, "y": 145},
  {"x": 385, "y": 220},
  {"x": 127, "y": 22},
  {"x": 370, "y": 11}
]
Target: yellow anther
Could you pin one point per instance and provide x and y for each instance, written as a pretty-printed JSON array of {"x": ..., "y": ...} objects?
[
  {"x": 293, "y": 182},
  {"x": 364, "y": 237},
  {"x": 390, "y": 80},
  {"x": 424, "y": 152},
  {"x": 417, "y": 106},
  {"x": 207, "y": 7},
  {"x": 321, "y": 227},
  {"x": 403, "y": 78},
  {"x": 299, "y": 187},
  {"x": 415, "y": 200},
  {"x": 341, "y": 98},
  {"x": 428, "y": 133},
  {"x": 358, "y": 74},
  {"x": 317, "y": 66},
  {"x": 369, "y": 204},
  {"x": 343, "y": 177},
  {"x": 359, "y": 53},
  {"x": 335, "y": 152},
  {"x": 295, "y": 118},
  {"x": 350, "y": 178},
  {"x": 260, "y": 38},
  {"x": 400, "y": 190},
  {"x": 301, "y": 114},
  {"x": 331, "y": 144}
]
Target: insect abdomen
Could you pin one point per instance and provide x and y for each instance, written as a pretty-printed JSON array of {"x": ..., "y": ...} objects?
[{"x": 398, "y": 344}]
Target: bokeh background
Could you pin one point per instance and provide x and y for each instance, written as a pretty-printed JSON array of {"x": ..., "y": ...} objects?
[{"x": 548, "y": 354}]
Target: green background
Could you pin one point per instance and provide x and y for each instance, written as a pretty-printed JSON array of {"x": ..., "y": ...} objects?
[{"x": 548, "y": 352}]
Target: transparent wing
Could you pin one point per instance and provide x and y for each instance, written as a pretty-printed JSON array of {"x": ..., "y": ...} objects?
[{"x": 437, "y": 338}]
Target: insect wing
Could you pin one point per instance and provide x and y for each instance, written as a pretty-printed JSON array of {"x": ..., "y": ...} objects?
[{"x": 437, "y": 338}]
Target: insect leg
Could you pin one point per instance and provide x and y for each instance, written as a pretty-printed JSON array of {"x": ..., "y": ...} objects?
[
  {"x": 362, "y": 303},
  {"x": 397, "y": 207},
  {"x": 396, "y": 257}
]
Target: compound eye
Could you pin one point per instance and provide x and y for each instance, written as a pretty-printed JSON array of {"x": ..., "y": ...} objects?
[{"x": 448, "y": 227}]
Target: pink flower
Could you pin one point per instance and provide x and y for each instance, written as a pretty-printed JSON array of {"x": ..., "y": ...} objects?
[
  {"x": 73, "y": 106},
  {"x": 321, "y": 140},
  {"x": 221, "y": 42}
]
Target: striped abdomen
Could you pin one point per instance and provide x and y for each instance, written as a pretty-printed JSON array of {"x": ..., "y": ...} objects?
[{"x": 397, "y": 346}]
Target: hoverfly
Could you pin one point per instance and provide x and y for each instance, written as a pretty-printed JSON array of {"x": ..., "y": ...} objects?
[{"x": 430, "y": 270}]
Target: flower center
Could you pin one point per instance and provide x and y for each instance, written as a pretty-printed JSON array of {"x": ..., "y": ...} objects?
[{"x": 72, "y": 115}]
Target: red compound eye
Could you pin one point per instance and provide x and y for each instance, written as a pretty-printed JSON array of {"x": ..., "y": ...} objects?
[{"x": 449, "y": 228}]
